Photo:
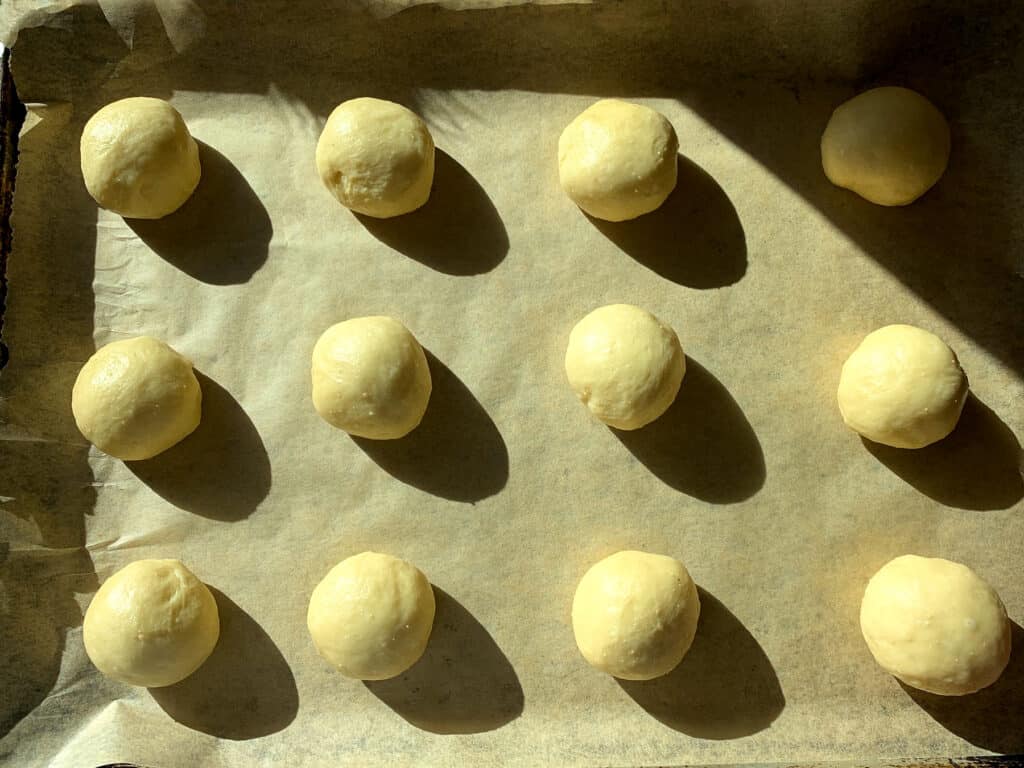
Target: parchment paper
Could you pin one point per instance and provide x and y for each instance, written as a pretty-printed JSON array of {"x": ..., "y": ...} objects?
[{"x": 509, "y": 491}]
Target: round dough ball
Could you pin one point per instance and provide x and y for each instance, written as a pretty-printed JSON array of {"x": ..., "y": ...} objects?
[
  {"x": 617, "y": 160},
  {"x": 371, "y": 378},
  {"x": 138, "y": 158},
  {"x": 635, "y": 614},
  {"x": 936, "y": 625},
  {"x": 376, "y": 157},
  {"x": 902, "y": 387},
  {"x": 371, "y": 616},
  {"x": 625, "y": 365},
  {"x": 136, "y": 398},
  {"x": 153, "y": 623},
  {"x": 889, "y": 145}
]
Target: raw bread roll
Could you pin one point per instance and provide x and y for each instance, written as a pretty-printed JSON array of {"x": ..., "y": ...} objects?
[
  {"x": 138, "y": 158},
  {"x": 625, "y": 365},
  {"x": 902, "y": 387},
  {"x": 370, "y": 378},
  {"x": 617, "y": 160},
  {"x": 936, "y": 625},
  {"x": 136, "y": 398},
  {"x": 371, "y": 616},
  {"x": 889, "y": 145},
  {"x": 153, "y": 623},
  {"x": 635, "y": 614},
  {"x": 376, "y": 157}
]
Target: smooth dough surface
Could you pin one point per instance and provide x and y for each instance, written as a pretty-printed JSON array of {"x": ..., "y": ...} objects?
[
  {"x": 617, "y": 160},
  {"x": 625, "y": 365},
  {"x": 371, "y": 378},
  {"x": 371, "y": 616},
  {"x": 376, "y": 157},
  {"x": 136, "y": 398},
  {"x": 889, "y": 145},
  {"x": 139, "y": 159},
  {"x": 153, "y": 623},
  {"x": 936, "y": 625},
  {"x": 903, "y": 387},
  {"x": 635, "y": 614}
]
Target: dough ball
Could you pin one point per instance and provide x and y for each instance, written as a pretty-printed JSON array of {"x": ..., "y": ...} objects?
[
  {"x": 902, "y": 387},
  {"x": 376, "y": 157},
  {"x": 136, "y": 398},
  {"x": 936, "y": 625},
  {"x": 371, "y": 616},
  {"x": 153, "y": 623},
  {"x": 635, "y": 614},
  {"x": 617, "y": 160},
  {"x": 889, "y": 145},
  {"x": 371, "y": 378},
  {"x": 138, "y": 158},
  {"x": 625, "y": 365}
]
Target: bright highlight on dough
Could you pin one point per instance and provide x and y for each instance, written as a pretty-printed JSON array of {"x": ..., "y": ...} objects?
[
  {"x": 625, "y": 365},
  {"x": 370, "y": 378},
  {"x": 371, "y": 616},
  {"x": 153, "y": 623},
  {"x": 635, "y": 614},
  {"x": 936, "y": 625},
  {"x": 376, "y": 157},
  {"x": 617, "y": 160},
  {"x": 138, "y": 158},
  {"x": 136, "y": 398},
  {"x": 902, "y": 387},
  {"x": 889, "y": 145}
]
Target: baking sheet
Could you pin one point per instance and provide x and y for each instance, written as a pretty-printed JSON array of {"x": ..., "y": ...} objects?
[{"x": 508, "y": 491}]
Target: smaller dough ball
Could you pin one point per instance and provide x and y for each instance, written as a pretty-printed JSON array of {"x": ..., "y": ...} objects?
[
  {"x": 617, "y": 160},
  {"x": 138, "y": 158},
  {"x": 936, "y": 625},
  {"x": 889, "y": 145},
  {"x": 625, "y": 365},
  {"x": 902, "y": 387},
  {"x": 371, "y": 616},
  {"x": 376, "y": 157},
  {"x": 635, "y": 614},
  {"x": 371, "y": 378},
  {"x": 153, "y": 623},
  {"x": 136, "y": 398}
]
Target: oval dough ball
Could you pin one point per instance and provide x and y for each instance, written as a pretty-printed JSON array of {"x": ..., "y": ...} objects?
[
  {"x": 617, "y": 160},
  {"x": 153, "y": 623},
  {"x": 371, "y": 616},
  {"x": 635, "y": 614},
  {"x": 138, "y": 158},
  {"x": 889, "y": 145},
  {"x": 936, "y": 625},
  {"x": 902, "y": 387},
  {"x": 625, "y": 365},
  {"x": 371, "y": 378},
  {"x": 136, "y": 398},
  {"x": 376, "y": 157}
]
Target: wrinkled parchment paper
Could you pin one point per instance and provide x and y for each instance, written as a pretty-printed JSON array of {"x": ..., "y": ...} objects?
[{"x": 509, "y": 491}]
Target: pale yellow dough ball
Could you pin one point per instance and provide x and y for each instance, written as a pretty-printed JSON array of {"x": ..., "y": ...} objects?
[
  {"x": 153, "y": 623},
  {"x": 936, "y": 625},
  {"x": 139, "y": 159},
  {"x": 136, "y": 398},
  {"x": 625, "y": 365},
  {"x": 376, "y": 157},
  {"x": 889, "y": 145},
  {"x": 635, "y": 614},
  {"x": 618, "y": 160},
  {"x": 902, "y": 387},
  {"x": 371, "y": 616},
  {"x": 371, "y": 378}
]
